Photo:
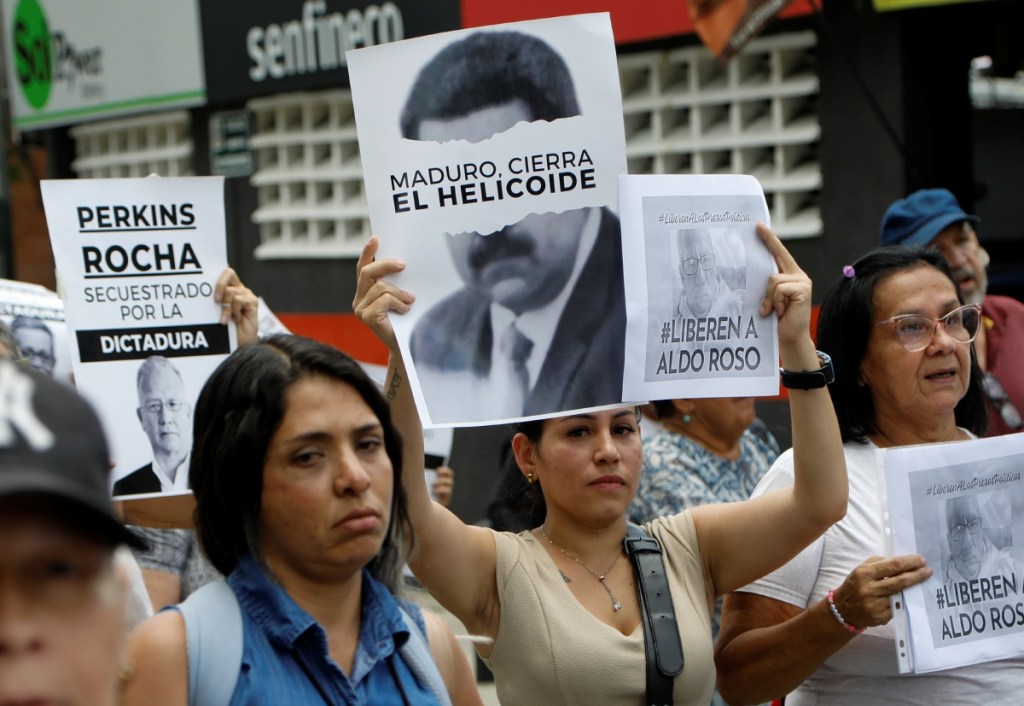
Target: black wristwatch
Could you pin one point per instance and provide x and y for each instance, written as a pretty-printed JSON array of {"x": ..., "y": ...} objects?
[{"x": 809, "y": 379}]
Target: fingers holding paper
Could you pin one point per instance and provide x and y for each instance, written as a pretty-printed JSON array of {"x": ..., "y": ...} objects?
[
  {"x": 375, "y": 296},
  {"x": 239, "y": 304}
]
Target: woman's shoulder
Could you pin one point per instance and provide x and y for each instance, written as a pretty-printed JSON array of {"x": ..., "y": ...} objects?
[
  {"x": 157, "y": 656},
  {"x": 676, "y": 529}
]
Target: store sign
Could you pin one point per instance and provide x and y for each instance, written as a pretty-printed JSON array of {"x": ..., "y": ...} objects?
[
  {"x": 68, "y": 60},
  {"x": 266, "y": 46}
]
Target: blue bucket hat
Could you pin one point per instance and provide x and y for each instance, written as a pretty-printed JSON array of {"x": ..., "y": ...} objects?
[{"x": 917, "y": 219}]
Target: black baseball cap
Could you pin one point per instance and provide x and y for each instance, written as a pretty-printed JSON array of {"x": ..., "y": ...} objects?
[{"x": 52, "y": 444}]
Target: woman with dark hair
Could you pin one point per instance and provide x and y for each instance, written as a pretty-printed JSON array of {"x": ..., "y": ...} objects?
[
  {"x": 557, "y": 603},
  {"x": 900, "y": 336},
  {"x": 295, "y": 471}
]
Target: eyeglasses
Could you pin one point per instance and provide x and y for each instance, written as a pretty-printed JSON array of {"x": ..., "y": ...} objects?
[
  {"x": 1001, "y": 401},
  {"x": 916, "y": 332},
  {"x": 33, "y": 354},
  {"x": 958, "y": 532},
  {"x": 706, "y": 263},
  {"x": 154, "y": 406}
]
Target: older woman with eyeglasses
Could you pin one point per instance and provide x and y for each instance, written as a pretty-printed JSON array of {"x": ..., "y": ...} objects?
[{"x": 818, "y": 629}]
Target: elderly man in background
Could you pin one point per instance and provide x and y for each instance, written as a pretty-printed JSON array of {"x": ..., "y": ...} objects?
[
  {"x": 933, "y": 218},
  {"x": 62, "y": 598}
]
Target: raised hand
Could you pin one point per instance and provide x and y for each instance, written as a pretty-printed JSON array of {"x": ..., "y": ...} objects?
[
  {"x": 789, "y": 291},
  {"x": 239, "y": 304},
  {"x": 375, "y": 297}
]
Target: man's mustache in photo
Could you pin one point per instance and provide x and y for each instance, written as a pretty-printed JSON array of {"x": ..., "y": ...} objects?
[{"x": 505, "y": 243}]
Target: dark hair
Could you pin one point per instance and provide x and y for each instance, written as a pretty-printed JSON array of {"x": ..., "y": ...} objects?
[
  {"x": 239, "y": 410},
  {"x": 665, "y": 409},
  {"x": 517, "y": 504},
  {"x": 844, "y": 328},
  {"x": 486, "y": 69}
]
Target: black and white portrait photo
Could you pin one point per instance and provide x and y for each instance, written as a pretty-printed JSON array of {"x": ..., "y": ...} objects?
[
  {"x": 36, "y": 343},
  {"x": 539, "y": 324},
  {"x": 960, "y": 507},
  {"x": 516, "y": 259},
  {"x": 698, "y": 274},
  {"x": 165, "y": 414}
]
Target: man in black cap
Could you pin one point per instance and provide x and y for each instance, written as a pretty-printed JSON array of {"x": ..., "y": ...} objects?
[
  {"x": 933, "y": 218},
  {"x": 62, "y": 601}
]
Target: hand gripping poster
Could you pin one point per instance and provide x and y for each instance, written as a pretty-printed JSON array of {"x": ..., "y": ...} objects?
[
  {"x": 698, "y": 272},
  {"x": 490, "y": 158},
  {"x": 138, "y": 261},
  {"x": 961, "y": 507}
]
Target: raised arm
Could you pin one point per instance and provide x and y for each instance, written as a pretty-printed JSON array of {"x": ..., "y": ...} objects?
[
  {"x": 767, "y": 648},
  {"x": 239, "y": 304},
  {"x": 741, "y": 542},
  {"x": 454, "y": 561}
]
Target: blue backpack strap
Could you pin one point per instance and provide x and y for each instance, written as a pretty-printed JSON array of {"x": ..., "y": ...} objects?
[
  {"x": 213, "y": 632},
  {"x": 416, "y": 654}
]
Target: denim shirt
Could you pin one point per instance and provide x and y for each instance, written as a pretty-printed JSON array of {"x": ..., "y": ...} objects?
[{"x": 285, "y": 658}]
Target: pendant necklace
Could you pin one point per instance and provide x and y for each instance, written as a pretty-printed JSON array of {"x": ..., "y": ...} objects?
[{"x": 616, "y": 605}]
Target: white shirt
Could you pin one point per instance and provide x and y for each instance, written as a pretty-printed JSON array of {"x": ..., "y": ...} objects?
[{"x": 180, "y": 482}]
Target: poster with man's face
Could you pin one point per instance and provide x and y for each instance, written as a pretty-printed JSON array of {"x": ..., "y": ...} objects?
[
  {"x": 961, "y": 507},
  {"x": 699, "y": 273},
  {"x": 490, "y": 158},
  {"x": 139, "y": 259},
  {"x": 35, "y": 316}
]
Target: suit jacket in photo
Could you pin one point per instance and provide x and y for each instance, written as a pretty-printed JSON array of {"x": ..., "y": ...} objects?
[
  {"x": 583, "y": 367},
  {"x": 143, "y": 480}
]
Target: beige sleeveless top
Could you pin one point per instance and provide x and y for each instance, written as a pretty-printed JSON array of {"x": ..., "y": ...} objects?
[{"x": 551, "y": 650}]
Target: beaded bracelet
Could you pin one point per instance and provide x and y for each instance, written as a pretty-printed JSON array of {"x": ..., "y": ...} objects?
[{"x": 839, "y": 616}]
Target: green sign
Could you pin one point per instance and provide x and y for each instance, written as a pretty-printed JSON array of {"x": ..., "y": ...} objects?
[{"x": 33, "y": 57}]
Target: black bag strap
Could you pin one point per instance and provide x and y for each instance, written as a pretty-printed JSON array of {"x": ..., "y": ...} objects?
[{"x": 662, "y": 645}]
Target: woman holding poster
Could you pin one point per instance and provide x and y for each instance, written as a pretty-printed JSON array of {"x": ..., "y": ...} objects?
[
  {"x": 819, "y": 628},
  {"x": 557, "y": 604}
]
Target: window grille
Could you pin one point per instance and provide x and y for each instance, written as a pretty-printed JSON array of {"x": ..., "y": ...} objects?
[
  {"x": 157, "y": 143},
  {"x": 687, "y": 114},
  {"x": 308, "y": 177}
]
